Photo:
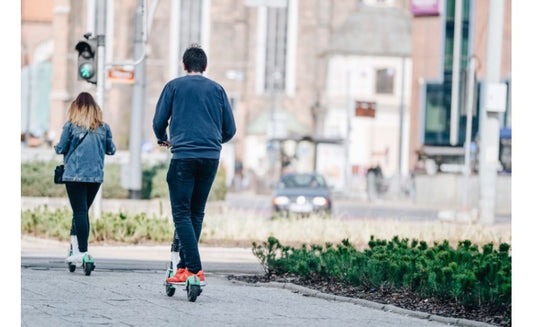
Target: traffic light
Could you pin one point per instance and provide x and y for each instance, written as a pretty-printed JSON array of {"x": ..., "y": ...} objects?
[{"x": 87, "y": 60}]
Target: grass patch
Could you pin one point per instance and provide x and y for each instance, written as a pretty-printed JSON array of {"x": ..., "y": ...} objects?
[
  {"x": 234, "y": 228},
  {"x": 234, "y": 225},
  {"x": 111, "y": 227}
]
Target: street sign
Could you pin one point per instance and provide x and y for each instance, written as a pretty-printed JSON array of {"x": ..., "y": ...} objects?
[
  {"x": 365, "y": 109},
  {"x": 496, "y": 97},
  {"x": 269, "y": 3},
  {"x": 121, "y": 75},
  {"x": 425, "y": 7}
]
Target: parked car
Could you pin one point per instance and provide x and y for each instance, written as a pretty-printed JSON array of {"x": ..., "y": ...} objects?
[{"x": 301, "y": 193}]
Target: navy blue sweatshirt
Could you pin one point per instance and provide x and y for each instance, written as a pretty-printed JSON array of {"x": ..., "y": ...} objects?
[{"x": 200, "y": 116}]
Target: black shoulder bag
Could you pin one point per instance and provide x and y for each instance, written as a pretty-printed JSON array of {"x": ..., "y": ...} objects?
[{"x": 60, "y": 169}]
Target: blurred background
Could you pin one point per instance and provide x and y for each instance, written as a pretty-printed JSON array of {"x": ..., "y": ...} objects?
[{"x": 413, "y": 93}]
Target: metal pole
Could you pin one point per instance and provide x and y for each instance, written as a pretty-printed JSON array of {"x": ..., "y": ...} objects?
[
  {"x": 273, "y": 84},
  {"x": 402, "y": 113},
  {"x": 490, "y": 124},
  {"x": 457, "y": 38},
  {"x": 174, "y": 56},
  {"x": 137, "y": 104},
  {"x": 468, "y": 137},
  {"x": 349, "y": 112},
  {"x": 28, "y": 104},
  {"x": 100, "y": 81}
]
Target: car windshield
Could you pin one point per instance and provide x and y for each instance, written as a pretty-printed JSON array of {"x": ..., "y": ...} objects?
[{"x": 303, "y": 181}]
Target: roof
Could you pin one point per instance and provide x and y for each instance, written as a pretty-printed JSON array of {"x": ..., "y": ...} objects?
[{"x": 379, "y": 31}]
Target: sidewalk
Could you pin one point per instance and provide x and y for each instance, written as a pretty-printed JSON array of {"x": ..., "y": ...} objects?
[
  {"x": 132, "y": 294},
  {"x": 37, "y": 247}
]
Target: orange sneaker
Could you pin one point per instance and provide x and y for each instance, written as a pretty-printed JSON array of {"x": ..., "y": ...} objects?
[
  {"x": 177, "y": 276},
  {"x": 181, "y": 276},
  {"x": 201, "y": 275}
]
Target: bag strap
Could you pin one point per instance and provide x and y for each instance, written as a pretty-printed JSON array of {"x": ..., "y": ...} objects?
[{"x": 65, "y": 160}]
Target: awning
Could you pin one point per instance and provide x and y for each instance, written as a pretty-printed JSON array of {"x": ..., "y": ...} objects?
[{"x": 286, "y": 123}]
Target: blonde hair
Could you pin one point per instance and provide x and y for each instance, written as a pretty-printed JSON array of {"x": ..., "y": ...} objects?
[{"x": 85, "y": 112}]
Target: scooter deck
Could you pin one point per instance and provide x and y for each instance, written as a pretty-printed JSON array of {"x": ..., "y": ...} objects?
[{"x": 202, "y": 284}]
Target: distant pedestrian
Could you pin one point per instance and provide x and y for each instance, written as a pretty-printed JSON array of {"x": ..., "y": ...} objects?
[
  {"x": 201, "y": 119},
  {"x": 84, "y": 142},
  {"x": 374, "y": 182}
]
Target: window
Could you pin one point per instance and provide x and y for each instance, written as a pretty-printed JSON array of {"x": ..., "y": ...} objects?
[
  {"x": 438, "y": 95},
  {"x": 303, "y": 181},
  {"x": 449, "y": 35},
  {"x": 277, "y": 26},
  {"x": 437, "y": 116},
  {"x": 385, "y": 81},
  {"x": 191, "y": 18},
  {"x": 276, "y": 48}
]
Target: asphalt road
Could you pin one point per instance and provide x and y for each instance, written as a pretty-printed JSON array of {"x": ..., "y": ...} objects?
[{"x": 350, "y": 209}]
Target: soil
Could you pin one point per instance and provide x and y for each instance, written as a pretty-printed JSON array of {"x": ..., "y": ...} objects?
[{"x": 400, "y": 298}]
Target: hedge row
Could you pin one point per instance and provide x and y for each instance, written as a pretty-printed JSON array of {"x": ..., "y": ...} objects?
[
  {"x": 467, "y": 275},
  {"x": 37, "y": 181},
  {"x": 115, "y": 227}
]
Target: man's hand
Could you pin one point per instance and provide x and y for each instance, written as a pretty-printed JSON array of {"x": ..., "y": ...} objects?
[{"x": 164, "y": 143}]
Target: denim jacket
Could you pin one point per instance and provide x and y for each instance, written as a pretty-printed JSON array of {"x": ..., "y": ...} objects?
[{"x": 86, "y": 162}]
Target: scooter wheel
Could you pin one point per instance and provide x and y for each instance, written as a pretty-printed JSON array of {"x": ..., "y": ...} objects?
[
  {"x": 88, "y": 268},
  {"x": 71, "y": 267},
  {"x": 170, "y": 290},
  {"x": 192, "y": 292}
]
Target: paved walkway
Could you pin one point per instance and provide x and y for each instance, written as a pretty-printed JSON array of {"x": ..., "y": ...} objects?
[{"x": 126, "y": 289}]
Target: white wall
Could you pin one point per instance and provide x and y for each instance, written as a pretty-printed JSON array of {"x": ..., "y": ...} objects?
[{"x": 372, "y": 140}]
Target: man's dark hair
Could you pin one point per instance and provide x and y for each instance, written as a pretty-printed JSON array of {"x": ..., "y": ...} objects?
[{"x": 195, "y": 59}]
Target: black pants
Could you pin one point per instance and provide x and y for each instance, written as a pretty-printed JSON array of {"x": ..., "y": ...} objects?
[
  {"x": 189, "y": 182},
  {"x": 81, "y": 196}
]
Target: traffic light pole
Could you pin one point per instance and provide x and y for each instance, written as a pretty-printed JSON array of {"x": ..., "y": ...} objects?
[
  {"x": 143, "y": 25},
  {"x": 100, "y": 84}
]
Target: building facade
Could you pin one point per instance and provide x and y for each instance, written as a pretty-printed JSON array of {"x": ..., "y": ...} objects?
[
  {"x": 432, "y": 56},
  {"x": 293, "y": 70},
  {"x": 269, "y": 55},
  {"x": 368, "y": 65}
]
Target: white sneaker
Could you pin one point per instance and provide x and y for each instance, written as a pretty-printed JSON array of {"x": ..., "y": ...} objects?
[
  {"x": 74, "y": 244},
  {"x": 76, "y": 258}
]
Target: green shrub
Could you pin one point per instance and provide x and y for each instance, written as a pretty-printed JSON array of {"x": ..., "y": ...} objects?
[
  {"x": 119, "y": 227},
  {"x": 219, "y": 189},
  {"x": 37, "y": 181},
  {"x": 111, "y": 188},
  {"x": 155, "y": 182},
  {"x": 45, "y": 223},
  {"x": 465, "y": 275}
]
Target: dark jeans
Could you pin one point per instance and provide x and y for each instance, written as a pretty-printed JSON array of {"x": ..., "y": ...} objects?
[
  {"x": 81, "y": 196},
  {"x": 189, "y": 182}
]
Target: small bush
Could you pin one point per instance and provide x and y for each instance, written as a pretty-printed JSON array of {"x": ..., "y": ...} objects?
[
  {"x": 466, "y": 275},
  {"x": 218, "y": 189},
  {"x": 117, "y": 227},
  {"x": 37, "y": 180},
  {"x": 111, "y": 188}
]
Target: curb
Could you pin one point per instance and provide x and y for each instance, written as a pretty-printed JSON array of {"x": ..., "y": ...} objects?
[{"x": 369, "y": 304}]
